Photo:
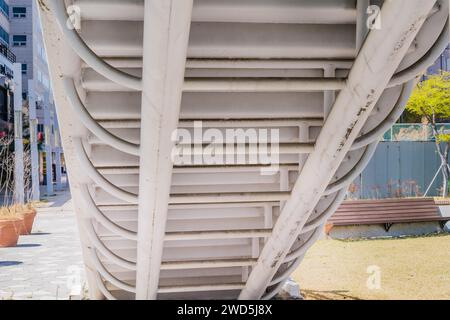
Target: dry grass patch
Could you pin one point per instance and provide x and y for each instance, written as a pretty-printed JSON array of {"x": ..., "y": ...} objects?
[
  {"x": 410, "y": 268},
  {"x": 15, "y": 210}
]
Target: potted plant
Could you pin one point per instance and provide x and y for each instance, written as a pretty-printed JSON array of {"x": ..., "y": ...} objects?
[
  {"x": 10, "y": 225},
  {"x": 26, "y": 214}
]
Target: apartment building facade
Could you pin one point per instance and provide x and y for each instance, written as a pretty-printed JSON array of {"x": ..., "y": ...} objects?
[
  {"x": 7, "y": 59},
  {"x": 21, "y": 41}
]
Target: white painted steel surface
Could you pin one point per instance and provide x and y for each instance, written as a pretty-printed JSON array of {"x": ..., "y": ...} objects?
[{"x": 136, "y": 70}]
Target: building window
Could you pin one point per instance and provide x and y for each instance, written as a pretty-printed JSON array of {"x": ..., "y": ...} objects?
[
  {"x": 19, "y": 12},
  {"x": 24, "y": 68},
  {"x": 19, "y": 41},
  {"x": 4, "y": 36},
  {"x": 4, "y": 8}
]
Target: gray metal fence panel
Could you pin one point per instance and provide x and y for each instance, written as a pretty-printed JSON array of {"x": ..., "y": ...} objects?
[{"x": 400, "y": 169}]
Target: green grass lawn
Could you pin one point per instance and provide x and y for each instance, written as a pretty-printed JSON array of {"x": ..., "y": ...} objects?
[{"x": 410, "y": 268}]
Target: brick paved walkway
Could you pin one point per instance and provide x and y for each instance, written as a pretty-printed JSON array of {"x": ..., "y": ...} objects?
[{"x": 46, "y": 264}]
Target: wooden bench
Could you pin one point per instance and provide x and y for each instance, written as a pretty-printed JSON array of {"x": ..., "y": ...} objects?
[{"x": 386, "y": 212}]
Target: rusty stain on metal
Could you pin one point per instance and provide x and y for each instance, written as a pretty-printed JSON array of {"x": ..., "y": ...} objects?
[{"x": 43, "y": 5}]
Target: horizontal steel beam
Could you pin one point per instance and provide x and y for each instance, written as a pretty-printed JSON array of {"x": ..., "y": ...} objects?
[{"x": 219, "y": 234}]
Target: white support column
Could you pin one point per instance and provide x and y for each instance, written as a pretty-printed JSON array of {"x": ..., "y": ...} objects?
[
  {"x": 58, "y": 151},
  {"x": 58, "y": 185},
  {"x": 48, "y": 147},
  {"x": 166, "y": 34},
  {"x": 373, "y": 68},
  {"x": 19, "y": 187},
  {"x": 35, "y": 192}
]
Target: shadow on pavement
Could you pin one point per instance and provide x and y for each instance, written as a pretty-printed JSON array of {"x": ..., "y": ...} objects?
[
  {"x": 9, "y": 263},
  {"x": 328, "y": 295},
  {"x": 60, "y": 199},
  {"x": 28, "y": 245}
]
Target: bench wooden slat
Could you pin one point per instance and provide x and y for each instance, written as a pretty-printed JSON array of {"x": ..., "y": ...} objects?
[
  {"x": 383, "y": 209},
  {"x": 388, "y": 214},
  {"x": 397, "y": 200},
  {"x": 357, "y": 212}
]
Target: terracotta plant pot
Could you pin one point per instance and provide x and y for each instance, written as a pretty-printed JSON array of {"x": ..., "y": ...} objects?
[
  {"x": 328, "y": 228},
  {"x": 27, "y": 224},
  {"x": 9, "y": 232}
]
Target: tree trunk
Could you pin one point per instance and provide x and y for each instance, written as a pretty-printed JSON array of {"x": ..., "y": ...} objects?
[
  {"x": 445, "y": 172},
  {"x": 443, "y": 155},
  {"x": 445, "y": 183}
]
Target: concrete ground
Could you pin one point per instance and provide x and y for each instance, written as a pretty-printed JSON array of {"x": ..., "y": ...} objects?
[{"x": 47, "y": 264}]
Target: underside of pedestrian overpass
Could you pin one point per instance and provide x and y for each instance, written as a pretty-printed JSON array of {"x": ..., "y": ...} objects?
[{"x": 326, "y": 75}]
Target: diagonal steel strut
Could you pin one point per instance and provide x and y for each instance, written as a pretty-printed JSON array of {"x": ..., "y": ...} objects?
[{"x": 374, "y": 66}]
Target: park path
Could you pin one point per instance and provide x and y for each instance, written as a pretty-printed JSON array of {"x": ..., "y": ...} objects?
[{"x": 47, "y": 264}]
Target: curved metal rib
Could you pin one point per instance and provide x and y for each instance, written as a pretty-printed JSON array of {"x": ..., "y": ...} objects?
[
  {"x": 282, "y": 279},
  {"x": 324, "y": 216},
  {"x": 102, "y": 288},
  {"x": 92, "y": 172},
  {"x": 389, "y": 121},
  {"x": 79, "y": 46},
  {"x": 101, "y": 218},
  {"x": 108, "y": 276},
  {"x": 302, "y": 249},
  {"x": 426, "y": 61},
  {"x": 297, "y": 259},
  {"x": 98, "y": 244},
  {"x": 298, "y": 254},
  {"x": 90, "y": 123},
  {"x": 354, "y": 172}
]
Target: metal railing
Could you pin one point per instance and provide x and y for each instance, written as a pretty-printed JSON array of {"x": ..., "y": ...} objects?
[
  {"x": 4, "y": 50},
  {"x": 413, "y": 132}
]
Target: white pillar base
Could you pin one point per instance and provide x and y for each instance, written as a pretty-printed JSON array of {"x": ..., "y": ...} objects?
[{"x": 291, "y": 290}]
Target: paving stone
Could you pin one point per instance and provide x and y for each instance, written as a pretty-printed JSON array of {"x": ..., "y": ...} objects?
[{"x": 40, "y": 261}]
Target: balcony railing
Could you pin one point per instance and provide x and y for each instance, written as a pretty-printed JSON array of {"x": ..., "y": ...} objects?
[
  {"x": 4, "y": 70},
  {"x": 4, "y": 50}
]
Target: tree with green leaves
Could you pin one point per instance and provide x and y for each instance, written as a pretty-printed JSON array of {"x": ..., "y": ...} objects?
[{"x": 431, "y": 100}]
